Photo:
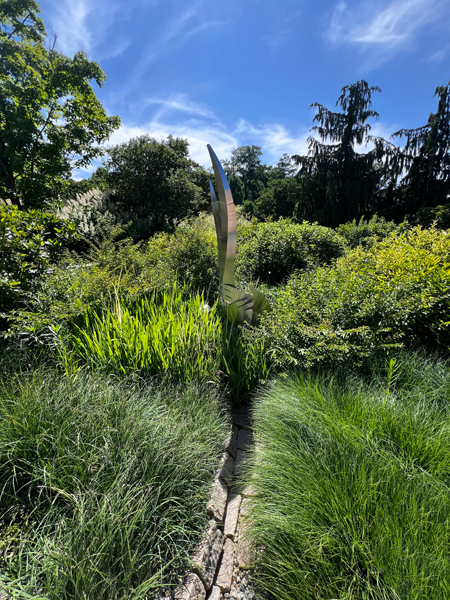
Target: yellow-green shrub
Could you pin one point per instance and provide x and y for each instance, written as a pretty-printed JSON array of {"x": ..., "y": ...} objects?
[
  {"x": 189, "y": 255},
  {"x": 395, "y": 293}
]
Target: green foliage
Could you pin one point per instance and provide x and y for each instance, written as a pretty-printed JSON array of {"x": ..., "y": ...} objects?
[
  {"x": 91, "y": 211},
  {"x": 282, "y": 198},
  {"x": 270, "y": 252},
  {"x": 189, "y": 254},
  {"x": 244, "y": 361},
  {"x": 50, "y": 118},
  {"x": 351, "y": 484},
  {"x": 247, "y": 175},
  {"x": 438, "y": 217},
  {"x": 102, "y": 483},
  {"x": 366, "y": 233},
  {"x": 339, "y": 184},
  {"x": 116, "y": 268},
  {"x": 395, "y": 293},
  {"x": 161, "y": 336},
  {"x": 113, "y": 268},
  {"x": 426, "y": 156},
  {"x": 155, "y": 184},
  {"x": 29, "y": 243}
]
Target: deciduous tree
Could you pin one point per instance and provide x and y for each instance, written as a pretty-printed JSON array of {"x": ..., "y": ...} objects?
[
  {"x": 155, "y": 183},
  {"x": 50, "y": 118}
]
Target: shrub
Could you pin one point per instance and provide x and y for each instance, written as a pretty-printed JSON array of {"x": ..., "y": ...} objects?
[
  {"x": 190, "y": 254},
  {"x": 270, "y": 252},
  {"x": 103, "y": 483},
  {"x": 366, "y": 233},
  {"x": 439, "y": 216},
  {"x": 112, "y": 268},
  {"x": 91, "y": 211},
  {"x": 351, "y": 485},
  {"x": 395, "y": 293},
  {"x": 115, "y": 267},
  {"x": 29, "y": 243}
]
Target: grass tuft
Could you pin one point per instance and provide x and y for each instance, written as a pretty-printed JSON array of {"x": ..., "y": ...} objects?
[
  {"x": 103, "y": 483},
  {"x": 174, "y": 337},
  {"x": 352, "y": 483}
]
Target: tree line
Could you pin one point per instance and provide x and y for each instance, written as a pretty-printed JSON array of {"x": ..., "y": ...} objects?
[{"x": 52, "y": 122}]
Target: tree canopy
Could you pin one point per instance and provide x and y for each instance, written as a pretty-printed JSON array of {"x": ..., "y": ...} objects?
[
  {"x": 155, "y": 183},
  {"x": 339, "y": 183},
  {"x": 50, "y": 118},
  {"x": 426, "y": 157}
]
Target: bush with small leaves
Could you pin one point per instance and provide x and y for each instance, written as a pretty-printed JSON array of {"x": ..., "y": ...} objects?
[
  {"x": 272, "y": 251},
  {"x": 396, "y": 293}
]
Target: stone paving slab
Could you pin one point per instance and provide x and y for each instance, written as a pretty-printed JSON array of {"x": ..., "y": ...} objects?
[
  {"x": 207, "y": 557},
  {"x": 244, "y": 439},
  {"x": 226, "y": 468},
  {"x": 242, "y": 418},
  {"x": 218, "y": 501},
  {"x": 192, "y": 589},
  {"x": 231, "y": 519},
  {"x": 240, "y": 457},
  {"x": 224, "y": 553},
  {"x": 225, "y": 575}
]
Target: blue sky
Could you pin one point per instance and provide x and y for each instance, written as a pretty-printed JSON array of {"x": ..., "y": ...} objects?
[{"x": 240, "y": 72}]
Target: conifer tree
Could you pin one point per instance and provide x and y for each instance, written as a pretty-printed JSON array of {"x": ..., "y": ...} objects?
[
  {"x": 339, "y": 184},
  {"x": 426, "y": 157}
]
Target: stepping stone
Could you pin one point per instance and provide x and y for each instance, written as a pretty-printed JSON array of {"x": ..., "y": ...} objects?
[
  {"x": 242, "y": 418},
  {"x": 231, "y": 517},
  {"x": 225, "y": 575},
  {"x": 226, "y": 468},
  {"x": 218, "y": 501},
  {"x": 192, "y": 589},
  {"x": 207, "y": 557},
  {"x": 244, "y": 439}
]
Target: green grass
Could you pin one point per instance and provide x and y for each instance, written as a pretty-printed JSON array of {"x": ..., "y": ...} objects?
[
  {"x": 171, "y": 336},
  {"x": 103, "y": 483},
  {"x": 352, "y": 482}
]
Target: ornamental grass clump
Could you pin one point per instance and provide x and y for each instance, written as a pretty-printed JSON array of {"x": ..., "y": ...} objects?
[
  {"x": 351, "y": 480},
  {"x": 164, "y": 335},
  {"x": 103, "y": 483}
]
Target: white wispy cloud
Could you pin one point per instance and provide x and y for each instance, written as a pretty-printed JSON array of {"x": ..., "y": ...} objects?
[
  {"x": 85, "y": 25},
  {"x": 197, "y": 133},
  {"x": 203, "y": 127},
  {"x": 174, "y": 34},
  {"x": 70, "y": 22},
  {"x": 383, "y": 28},
  {"x": 180, "y": 103},
  {"x": 440, "y": 54},
  {"x": 275, "y": 139}
]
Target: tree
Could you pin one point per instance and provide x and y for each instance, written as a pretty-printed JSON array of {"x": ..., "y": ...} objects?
[
  {"x": 246, "y": 174},
  {"x": 282, "y": 198},
  {"x": 155, "y": 183},
  {"x": 50, "y": 119},
  {"x": 339, "y": 184},
  {"x": 283, "y": 168},
  {"x": 426, "y": 156}
]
